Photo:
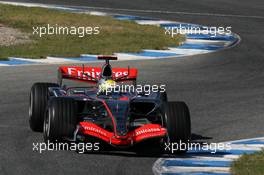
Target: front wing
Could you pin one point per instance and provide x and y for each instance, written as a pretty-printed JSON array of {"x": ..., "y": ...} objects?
[{"x": 142, "y": 133}]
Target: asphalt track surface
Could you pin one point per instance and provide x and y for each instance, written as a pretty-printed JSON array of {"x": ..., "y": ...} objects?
[{"x": 224, "y": 90}]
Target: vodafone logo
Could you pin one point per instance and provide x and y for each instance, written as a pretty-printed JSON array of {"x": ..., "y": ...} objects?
[
  {"x": 150, "y": 130},
  {"x": 89, "y": 128}
]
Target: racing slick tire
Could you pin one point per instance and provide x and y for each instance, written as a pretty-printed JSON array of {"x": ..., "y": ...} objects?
[
  {"x": 60, "y": 120},
  {"x": 178, "y": 125},
  {"x": 164, "y": 101},
  {"x": 39, "y": 95}
]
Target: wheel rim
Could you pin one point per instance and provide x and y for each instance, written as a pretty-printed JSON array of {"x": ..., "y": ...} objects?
[
  {"x": 167, "y": 135},
  {"x": 47, "y": 125},
  {"x": 30, "y": 105}
]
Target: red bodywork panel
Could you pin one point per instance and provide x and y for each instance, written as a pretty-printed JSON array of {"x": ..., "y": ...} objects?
[
  {"x": 76, "y": 73},
  {"x": 145, "y": 132}
]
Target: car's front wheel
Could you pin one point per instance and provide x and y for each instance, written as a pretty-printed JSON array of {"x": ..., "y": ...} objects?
[
  {"x": 60, "y": 120},
  {"x": 39, "y": 95},
  {"x": 178, "y": 125}
]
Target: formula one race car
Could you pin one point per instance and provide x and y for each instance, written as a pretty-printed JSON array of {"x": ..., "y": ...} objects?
[{"x": 119, "y": 118}]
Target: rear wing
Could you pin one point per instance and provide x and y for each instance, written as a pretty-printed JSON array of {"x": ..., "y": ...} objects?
[
  {"x": 106, "y": 57},
  {"x": 93, "y": 74}
]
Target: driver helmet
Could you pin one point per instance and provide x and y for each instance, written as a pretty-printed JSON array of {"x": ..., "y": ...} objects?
[{"x": 106, "y": 85}]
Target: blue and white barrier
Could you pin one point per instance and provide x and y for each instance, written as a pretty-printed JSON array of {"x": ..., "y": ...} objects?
[{"x": 201, "y": 162}]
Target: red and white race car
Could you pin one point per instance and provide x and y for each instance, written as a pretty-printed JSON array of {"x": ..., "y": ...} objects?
[{"x": 121, "y": 119}]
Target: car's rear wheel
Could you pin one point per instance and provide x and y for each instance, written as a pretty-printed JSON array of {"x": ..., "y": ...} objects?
[
  {"x": 39, "y": 95},
  {"x": 60, "y": 120},
  {"x": 178, "y": 125},
  {"x": 163, "y": 96},
  {"x": 164, "y": 101}
]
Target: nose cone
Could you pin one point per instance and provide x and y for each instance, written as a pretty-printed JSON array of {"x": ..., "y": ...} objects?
[{"x": 119, "y": 110}]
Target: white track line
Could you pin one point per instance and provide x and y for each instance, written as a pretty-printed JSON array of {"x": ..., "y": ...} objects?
[
  {"x": 153, "y": 22},
  {"x": 257, "y": 147},
  {"x": 159, "y": 169},
  {"x": 179, "y": 169},
  {"x": 201, "y": 158},
  {"x": 200, "y": 41},
  {"x": 242, "y": 140}
]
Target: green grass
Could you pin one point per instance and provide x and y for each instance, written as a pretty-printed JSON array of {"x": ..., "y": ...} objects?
[
  {"x": 115, "y": 36},
  {"x": 252, "y": 164}
]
